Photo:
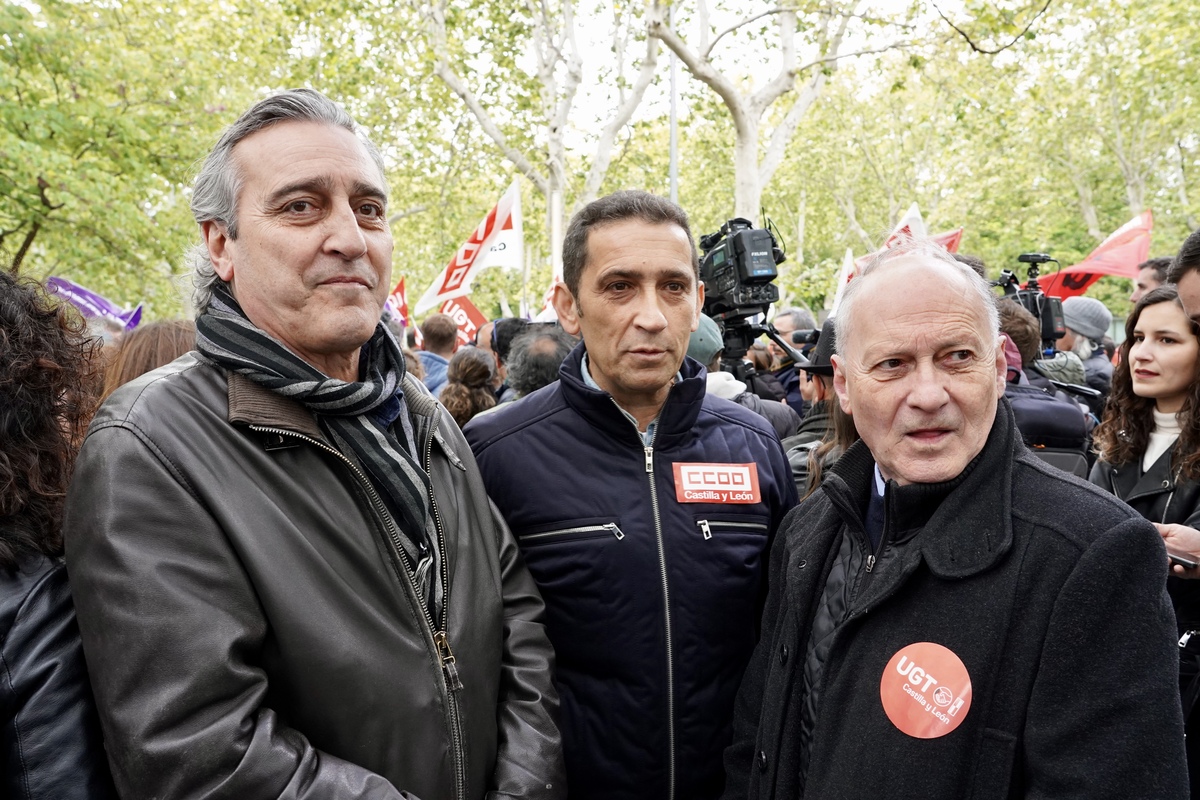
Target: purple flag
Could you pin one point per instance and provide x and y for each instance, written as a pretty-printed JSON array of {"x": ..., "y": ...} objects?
[{"x": 93, "y": 305}]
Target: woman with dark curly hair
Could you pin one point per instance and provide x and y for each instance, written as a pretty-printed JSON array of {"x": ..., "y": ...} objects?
[
  {"x": 50, "y": 744},
  {"x": 1149, "y": 442},
  {"x": 468, "y": 388}
]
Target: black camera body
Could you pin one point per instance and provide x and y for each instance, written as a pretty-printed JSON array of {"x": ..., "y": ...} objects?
[
  {"x": 1045, "y": 309},
  {"x": 739, "y": 268}
]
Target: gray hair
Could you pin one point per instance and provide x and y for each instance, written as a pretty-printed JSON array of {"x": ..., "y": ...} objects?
[
  {"x": 802, "y": 318},
  {"x": 535, "y": 357},
  {"x": 214, "y": 196},
  {"x": 915, "y": 246}
]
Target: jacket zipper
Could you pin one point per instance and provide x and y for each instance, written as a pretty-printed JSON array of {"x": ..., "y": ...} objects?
[
  {"x": 706, "y": 526},
  {"x": 438, "y": 637},
  {"x": 611, "y": 527},
  {"x": 441, "y": 638},
  {"x": 662, "y": 562},
  {"x": 1171, "y": 496}
]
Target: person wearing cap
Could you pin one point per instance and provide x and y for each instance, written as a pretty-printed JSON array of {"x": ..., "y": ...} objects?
[
  {"x": 818, "y": 422},
  {"x": 707, "y": 346},
  {"x": 644, "y": 507},
  {"x": 1087, "y": 321}
]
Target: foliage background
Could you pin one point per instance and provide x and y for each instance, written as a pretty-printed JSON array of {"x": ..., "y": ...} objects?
[{"x": 1050, "y": 144}]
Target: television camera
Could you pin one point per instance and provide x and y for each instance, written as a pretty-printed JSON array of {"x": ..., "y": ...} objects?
[
  {"x": 739, "y": 268},
  {"x": 1045, "y": 309}
]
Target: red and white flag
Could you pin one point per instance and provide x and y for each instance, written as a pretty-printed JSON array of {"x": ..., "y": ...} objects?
[
  {"x": 1119, "y": 254},
  {"x": 496, "y": 241},
  {"x": 468, "y": 318}
]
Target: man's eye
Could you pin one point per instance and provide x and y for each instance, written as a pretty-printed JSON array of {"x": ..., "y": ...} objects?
[
  {"x": 299, "y": 206},
  {"x": 618, "y": 286},
  {"x": 371, "y": 210},
  {"x": 961, "y": 355},
  {"x": 891, "y": 363}
]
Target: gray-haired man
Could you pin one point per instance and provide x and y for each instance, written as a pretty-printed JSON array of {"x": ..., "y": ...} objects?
[{"x": 291, "y": 583}]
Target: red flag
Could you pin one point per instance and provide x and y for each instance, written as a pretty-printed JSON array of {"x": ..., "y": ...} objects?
[
  {"x": 455, "y": 280},
  {"x": 398, "y": 301},
  {"x": 469, "y": 318},
  {"x": 1119, "y": 254},
  {"x": 949, "y": 240}
]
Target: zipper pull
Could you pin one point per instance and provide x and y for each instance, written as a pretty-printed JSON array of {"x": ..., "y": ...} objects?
[
  {"x": 453, "y": 682},
  {"x": 704, "y": 528},
  {"x": 617, "y": 532},
  {"x": 649, "y": 459},
  {"x": 870, "y": 562}
]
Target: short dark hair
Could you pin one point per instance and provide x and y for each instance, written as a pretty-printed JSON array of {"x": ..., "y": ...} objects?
[
  {"x": 504, "y": 330},
  {"x": 536, "y": 356},
  {"x": 1160, "y": 265},
  {"x": 617, "y": 207},
  {"x": 1187, "y": 259},
  {"x": 1023, "y": 328},
  {"x": 440, "y": 331}
]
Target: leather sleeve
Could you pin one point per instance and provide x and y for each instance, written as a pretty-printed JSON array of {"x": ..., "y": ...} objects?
[
  {"x": 171, "y": 628},
  {"x": 50, "y": 742},
  {"x": 1103, "y": 719},
  {"x": 529, "y": 760}
]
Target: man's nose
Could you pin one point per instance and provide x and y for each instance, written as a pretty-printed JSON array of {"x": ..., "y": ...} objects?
[
  {"x": 650, "y": 314},
  {"x": 344, "y": 234},
  {"x": 928, "y": 389}
]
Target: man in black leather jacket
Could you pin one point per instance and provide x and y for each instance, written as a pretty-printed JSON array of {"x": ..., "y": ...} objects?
[{"x": 290, "y": 581}]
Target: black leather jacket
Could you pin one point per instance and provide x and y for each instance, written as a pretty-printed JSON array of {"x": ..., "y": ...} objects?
[
  {"x": 1159, "y": 496},
  {"x": 50, "y": 744},
  {"x": 249, "y": 626}
]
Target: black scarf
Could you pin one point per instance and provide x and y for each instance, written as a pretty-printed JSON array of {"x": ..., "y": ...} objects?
[{"x": 357, "y": 417}]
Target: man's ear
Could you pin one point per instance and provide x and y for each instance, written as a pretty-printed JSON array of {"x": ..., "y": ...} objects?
[
  {"x": 1001, "y": 368},
  {"x": 217, "y": 240},
  {"x": 839, "y": 383},
  {"x": 699, "y": 305},
  {"x": 567, "y": 308}
]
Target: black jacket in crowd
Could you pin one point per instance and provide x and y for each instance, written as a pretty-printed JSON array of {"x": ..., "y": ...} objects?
[
  {"x": 1051, "y": 593},
  {"x": 50, "y": 745}
]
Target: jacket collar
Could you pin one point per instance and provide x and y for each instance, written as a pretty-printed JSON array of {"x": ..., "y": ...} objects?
[
  {"x": 965, "y": 524},
  {"x": 251, "y": 404},
  {"x": 1130, "y": 483},
  {"x": 675, "y": 420}
]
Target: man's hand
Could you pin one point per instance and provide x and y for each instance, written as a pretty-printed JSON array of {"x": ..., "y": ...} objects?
[{"x": 1181, "y": 537}]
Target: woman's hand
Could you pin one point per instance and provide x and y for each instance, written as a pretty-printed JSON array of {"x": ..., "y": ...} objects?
[{"x": 1181, "y": 537}]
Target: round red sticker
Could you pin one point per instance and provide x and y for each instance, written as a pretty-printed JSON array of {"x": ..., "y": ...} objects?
[{"x": 925, "y": 689}]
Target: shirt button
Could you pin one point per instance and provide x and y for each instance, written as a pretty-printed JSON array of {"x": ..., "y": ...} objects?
[
  {"x": 783, "y": 654},
  {"x": 762, "y": 761}
]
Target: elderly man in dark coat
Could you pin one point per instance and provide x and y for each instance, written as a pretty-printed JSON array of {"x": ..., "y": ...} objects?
[{"x": 948, "y": 615}]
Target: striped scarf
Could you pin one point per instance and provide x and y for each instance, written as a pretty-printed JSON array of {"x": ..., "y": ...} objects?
[{"x": 357, "y": 417}]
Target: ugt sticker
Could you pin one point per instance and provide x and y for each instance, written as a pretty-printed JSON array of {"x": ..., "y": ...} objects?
[
  {"x": 716, "y": 483},
  {"x": 925, "y": 689}
]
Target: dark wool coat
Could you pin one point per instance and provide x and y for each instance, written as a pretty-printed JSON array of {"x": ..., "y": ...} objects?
[{"x": 1051, "y": 593}]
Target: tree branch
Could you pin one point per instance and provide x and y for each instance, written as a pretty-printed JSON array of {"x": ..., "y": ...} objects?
[
  {"x": 436, "y": 25},
  {"x": 620, "y": 119},
  {"x": 967, "y": 37},
  {"x": 707, "y": 51}
]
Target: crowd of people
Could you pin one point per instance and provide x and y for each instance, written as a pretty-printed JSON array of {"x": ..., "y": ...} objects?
[{"x": 281, "y": 552}]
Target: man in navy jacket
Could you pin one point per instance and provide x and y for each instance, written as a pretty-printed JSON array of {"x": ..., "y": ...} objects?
[{"x": 644, "y": 510}]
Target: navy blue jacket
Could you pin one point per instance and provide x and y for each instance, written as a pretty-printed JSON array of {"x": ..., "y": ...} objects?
[{"x": 652, "y": 604}]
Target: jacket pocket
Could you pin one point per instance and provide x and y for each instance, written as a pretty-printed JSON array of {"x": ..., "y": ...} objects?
[
  {"x": 571, "y": 531},
  {"x": 713, "y": 525},
  {"x": 994, "y": 769}
]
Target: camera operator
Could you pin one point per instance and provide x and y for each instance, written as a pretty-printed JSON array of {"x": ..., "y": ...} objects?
[
  {"x": 786, "y": 322},
  {"x": 707, "y": 347}
]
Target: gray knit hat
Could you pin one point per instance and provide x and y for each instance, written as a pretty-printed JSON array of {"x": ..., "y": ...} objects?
[{"x": 1087, "y": 316}]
